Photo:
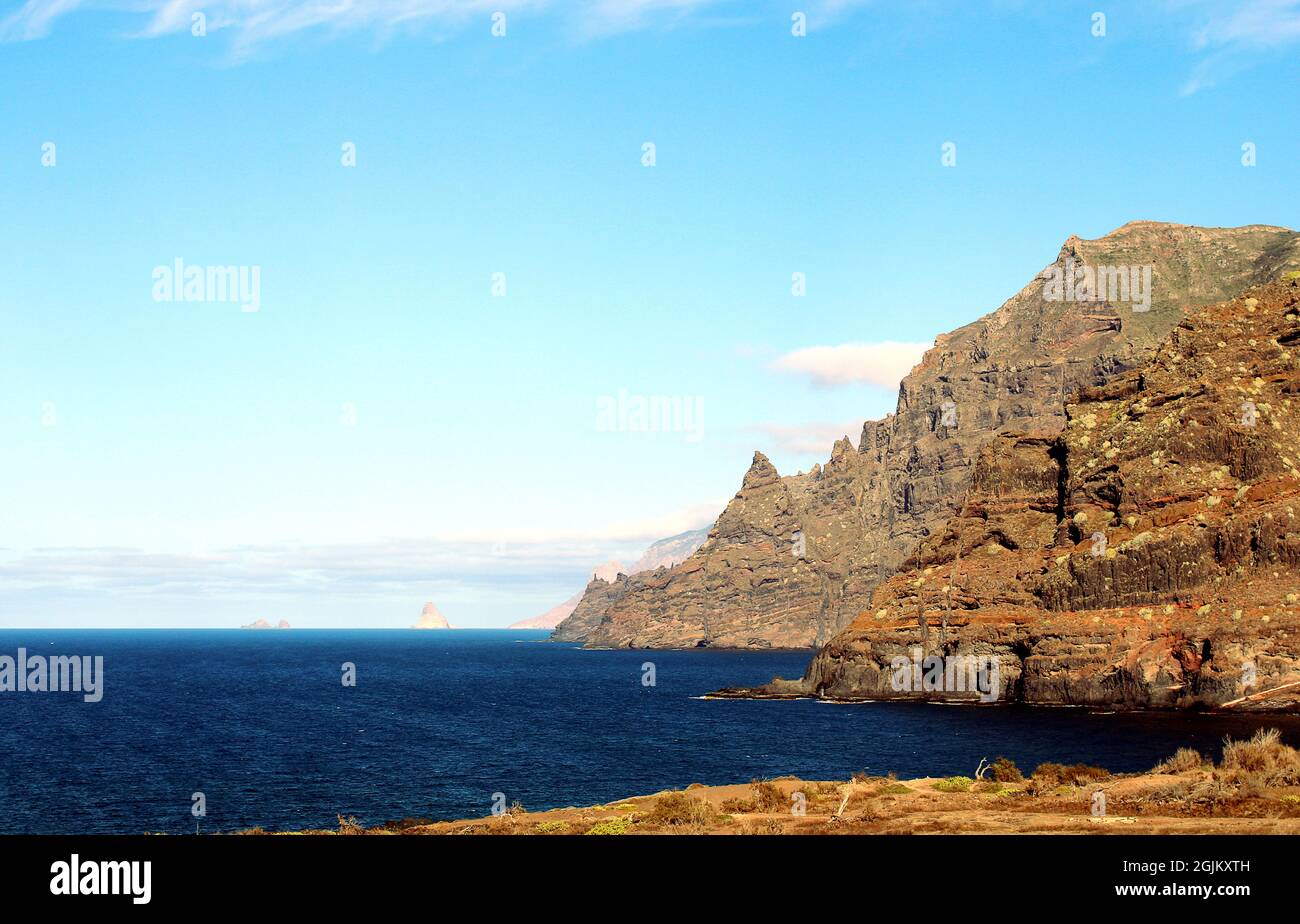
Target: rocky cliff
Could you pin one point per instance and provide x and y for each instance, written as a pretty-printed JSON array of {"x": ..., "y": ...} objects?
[
  {"x": 792, "y": 560},
  {"x": 606, "y": 583},
  {"x": 1148, "y": 556}
]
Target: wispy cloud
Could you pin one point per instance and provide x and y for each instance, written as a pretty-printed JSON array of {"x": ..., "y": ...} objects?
[
  {"x": 881, "y": 364},
  {"x": 518, "y": 560},
  {"x": 251, "y": 22},
  {"x": 1231, "y": 35}
]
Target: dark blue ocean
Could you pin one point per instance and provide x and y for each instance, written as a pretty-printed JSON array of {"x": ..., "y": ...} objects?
[{"x": 438, "y": 722}]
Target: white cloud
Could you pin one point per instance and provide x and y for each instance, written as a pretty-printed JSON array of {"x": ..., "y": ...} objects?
[
  {"x": 522, "y": 561},
  {"x": 808, "y": 439},
  {"x": 1233, "y": 34},
  {"x": 881, "y": 364}
]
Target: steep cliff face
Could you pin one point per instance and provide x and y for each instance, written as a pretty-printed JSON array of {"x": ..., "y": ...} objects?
[
  {"x": 584, "y": 611},
  {"x": 748, "y": 569},
  {"x": 1148, "y": 556},
  {"x": 792, "y": 560}
]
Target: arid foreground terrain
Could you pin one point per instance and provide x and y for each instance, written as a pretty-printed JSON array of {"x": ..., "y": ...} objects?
[{"x": 1254, "y": 789}]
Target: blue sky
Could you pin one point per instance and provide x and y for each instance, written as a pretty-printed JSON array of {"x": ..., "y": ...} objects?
[{"x": 385, "y": 430}]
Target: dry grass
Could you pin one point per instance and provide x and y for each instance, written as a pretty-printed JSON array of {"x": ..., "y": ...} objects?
[
  {"x": 1254, "y": 789},
  {"x": 1052, "y": 775},
  {"x": 677, "y": 809},
  {"x": 1184, "y": 760},
  {"x": 768, "y": 797},
  {"x": 1263, "y": 758}
]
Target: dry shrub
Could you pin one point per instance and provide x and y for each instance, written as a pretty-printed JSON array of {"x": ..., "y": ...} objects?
[
  {"x": 738, "y": 806},
  {"x": 1261, "y": 760},
  {"x": 1211, "y": 790},
  {"x": 1050, "y": 775},
  {"x": 1185, "y": 760},
  {"x": 677, "y": 808},
  {"x": 405, "y": 824},
  {"x": 350, "y": 825},
  {"x": 768, "y": 796},
  {"x": 1004, "y": 770}
]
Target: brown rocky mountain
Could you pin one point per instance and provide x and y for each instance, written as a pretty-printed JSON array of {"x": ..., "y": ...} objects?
[
  {"x": 661, "y": 554},
  {"x": 793, "y": 559},
  {"x": 1146, "y": 556}
]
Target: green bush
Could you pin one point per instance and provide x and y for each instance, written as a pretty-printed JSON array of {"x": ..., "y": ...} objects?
[
  {"x": 611, "y": 826},
  {"x": 954, "y": 784}
]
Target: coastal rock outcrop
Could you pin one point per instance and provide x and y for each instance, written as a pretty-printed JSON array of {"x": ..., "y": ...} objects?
[
  {"x": 1148, "y": 556},
  {"x": 608, "y": 581},
  {"x": 792, "y": 560},
  {"x": 430, "y": 618}
]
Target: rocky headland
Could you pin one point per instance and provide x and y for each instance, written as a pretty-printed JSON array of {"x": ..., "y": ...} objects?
[
  {"x": 793, "y": 560},
  {"x": 1144, "y": 555}
]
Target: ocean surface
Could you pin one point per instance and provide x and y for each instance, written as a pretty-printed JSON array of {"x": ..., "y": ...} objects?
[{"x": 438, "y": 722}]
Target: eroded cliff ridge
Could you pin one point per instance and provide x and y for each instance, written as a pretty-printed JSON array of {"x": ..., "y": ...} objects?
[
  {"x": 589, "y": 606},
  {"x": 1148, "y": 556},
  {"x": 792, "y": 560}
]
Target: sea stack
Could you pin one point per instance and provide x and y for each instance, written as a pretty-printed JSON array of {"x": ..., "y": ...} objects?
[
  {"x": 430, "y": 618},
  {"x": 263, "y": 624}
]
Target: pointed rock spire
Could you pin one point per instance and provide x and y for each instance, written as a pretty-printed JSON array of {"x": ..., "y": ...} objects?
[{"x": 761, "y": 472}]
